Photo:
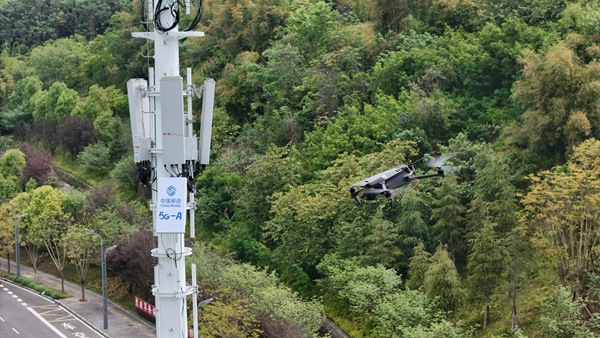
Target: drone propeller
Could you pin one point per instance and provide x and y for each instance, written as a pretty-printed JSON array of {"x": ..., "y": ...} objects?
[
  {"x": 403, "y": 189},
  {"x": 438, "y": 162},
  {"x": 448, "y": 168}
]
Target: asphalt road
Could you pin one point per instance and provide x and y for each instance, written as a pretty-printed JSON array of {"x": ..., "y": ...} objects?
[{"x": 24, "y": 314}]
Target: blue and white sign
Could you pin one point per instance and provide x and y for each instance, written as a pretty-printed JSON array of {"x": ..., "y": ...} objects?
[{"x": 172, "y": 202}]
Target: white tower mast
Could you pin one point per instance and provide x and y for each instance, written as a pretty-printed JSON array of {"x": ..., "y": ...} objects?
[{"x": 166, "y": 152}]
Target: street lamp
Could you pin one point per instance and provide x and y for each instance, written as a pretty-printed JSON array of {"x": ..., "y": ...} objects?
[
  {"x": 103, "y": 263},
  {"x": 17, "y": 246}
]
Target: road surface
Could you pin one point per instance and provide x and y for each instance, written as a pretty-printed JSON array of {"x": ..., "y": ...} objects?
[{"x": 26, "y": 314}]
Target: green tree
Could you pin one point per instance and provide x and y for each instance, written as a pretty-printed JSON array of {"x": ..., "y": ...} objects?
[
  {"x": 24, "y": 89},
  {"x": 494, "y": 193},
  {"x": 442, "y": 280},
  {"x": 558, "y": 92},
  {"x": 302, "y": 221},
  {"x": 381, "y": 244},
  {"x": 229, "y": 318},
  {"x": 81, "y": 249},
  {"x": 27, "y": 234},
  {"x": 417, "y": 267},
  {"x": 95, "y": 158},
  {"x": 487, "y": 263},
  {"x": 412, "y": 314},
  {"x": 12, "y": 163},
  {"x": 560, "y": 214},
  {"x": 561, "y": 316},
  {"x": 7, "y": 231},
  {"x": 60, "y": 60},
  {"x": 411, "y": 224},
  {"x": 448, "y": 213},
  {"x": 48, "y": 221},
  {"x": 259, "y": 289},
  {"x": 58, "y": 101}
]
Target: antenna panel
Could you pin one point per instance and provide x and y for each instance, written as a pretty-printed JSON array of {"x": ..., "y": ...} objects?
[
  {"x": 173, "y": 121},
  {"x": 208, "y": 100}
]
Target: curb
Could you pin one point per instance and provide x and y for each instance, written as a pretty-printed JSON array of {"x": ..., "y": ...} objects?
[{"x": 75, "y": 314}]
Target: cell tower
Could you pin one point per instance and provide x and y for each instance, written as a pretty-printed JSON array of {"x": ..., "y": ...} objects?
[{"x": 169, "y": 156}]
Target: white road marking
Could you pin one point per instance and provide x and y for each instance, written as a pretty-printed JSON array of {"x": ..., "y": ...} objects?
[
  {"x": 24, "y": 304},
  {"x": 2, "y": 319},
  {"x": 47, "y": 324},
  {"x": 15, "y": 330}
]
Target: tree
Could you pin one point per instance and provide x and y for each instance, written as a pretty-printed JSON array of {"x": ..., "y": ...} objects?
[
  {"x": 448, "y": 214},
  {"x": 59, "y": 61},
  {"x": 411, "y": 313},
  {"x": 381, "y": 244},
  {"x": 48, "y": 221},
  {"x": 560, "y": 213},
  {"x": 559, "y": 95},
  {"x": 81, "y": 249},
  {"x": 411, "y": 224},
  {"x": 417, "y": 267},
  {"x": 229, "y": 317},
  {"x": 38, "y": 164},
  {"x": 75, "y": 134},
  {"x": 487, "y": 263},
  {"x": 260, "y": 289},
  {"x": 27, "y": 233},
  {"x": 494, "y": 193},
  {"x": 95, "y": 158},
  {"x": 132, "y": 262},
  {"x": 7, "y": 231},
  {"x": 442, "y": 280},
  {"x": 58, "y": 101},
  {"x": 12, "y": 163}
]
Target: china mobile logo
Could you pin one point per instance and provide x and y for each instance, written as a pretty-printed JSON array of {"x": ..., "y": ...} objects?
[{"x": 171, "y": 190}]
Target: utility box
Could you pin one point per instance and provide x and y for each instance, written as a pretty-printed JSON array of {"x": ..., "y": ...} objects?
[
  {"x": 191, "y": 148},
  {"x": 173, "y": 120}
]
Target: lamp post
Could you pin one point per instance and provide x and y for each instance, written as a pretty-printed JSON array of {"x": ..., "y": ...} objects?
[
  {"x": 103, "y": 264},
  {"x": 17, "y": 246}
]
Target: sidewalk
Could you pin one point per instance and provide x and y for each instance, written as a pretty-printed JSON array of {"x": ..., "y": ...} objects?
[{"x": 121, "y": 323}]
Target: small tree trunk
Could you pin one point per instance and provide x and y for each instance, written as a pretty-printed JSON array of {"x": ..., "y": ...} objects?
[
  {"x": 62, "y": 281},
  {"x": 82, "y": 291},
  {"x": 486, "y": 317},
  {"x": 8, "y": 260},
  {"x": 514, "y": 319}
]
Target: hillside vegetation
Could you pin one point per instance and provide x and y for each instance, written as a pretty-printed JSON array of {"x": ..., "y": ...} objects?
[{"x": 313, "y": 96}]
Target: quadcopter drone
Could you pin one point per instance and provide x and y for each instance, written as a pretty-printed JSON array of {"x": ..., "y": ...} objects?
[{"x": 389, "y": 182}]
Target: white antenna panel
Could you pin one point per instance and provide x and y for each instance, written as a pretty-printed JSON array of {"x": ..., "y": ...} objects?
[
  {"x": 208, "y": 101},
  {"x": 139, "y": 106}
]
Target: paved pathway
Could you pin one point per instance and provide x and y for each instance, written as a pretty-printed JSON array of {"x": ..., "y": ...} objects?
[{"x": 121, "y": 323}]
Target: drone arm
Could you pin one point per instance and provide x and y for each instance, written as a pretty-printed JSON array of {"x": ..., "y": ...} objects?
[{"x": 439, "y": 173}]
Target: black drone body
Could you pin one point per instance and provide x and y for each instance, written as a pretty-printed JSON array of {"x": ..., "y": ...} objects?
[{"x": 387, "y": 182}]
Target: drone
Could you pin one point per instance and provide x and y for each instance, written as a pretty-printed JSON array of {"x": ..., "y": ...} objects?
[{"x": 390, "y": 182}]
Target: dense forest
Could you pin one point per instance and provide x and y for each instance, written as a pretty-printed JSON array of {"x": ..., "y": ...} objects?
[{"x": 313, "y": 96}]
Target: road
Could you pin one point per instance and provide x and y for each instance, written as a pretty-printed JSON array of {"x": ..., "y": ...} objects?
[{"x": 25, "y": 314}]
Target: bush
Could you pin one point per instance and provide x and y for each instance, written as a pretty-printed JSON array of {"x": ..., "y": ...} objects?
[
  {"x": 39, "y": 287},
  {"x": 95, "y": 158}
]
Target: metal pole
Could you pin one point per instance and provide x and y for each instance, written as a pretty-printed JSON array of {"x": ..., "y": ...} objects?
[{"x": 103, "y": 262}]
